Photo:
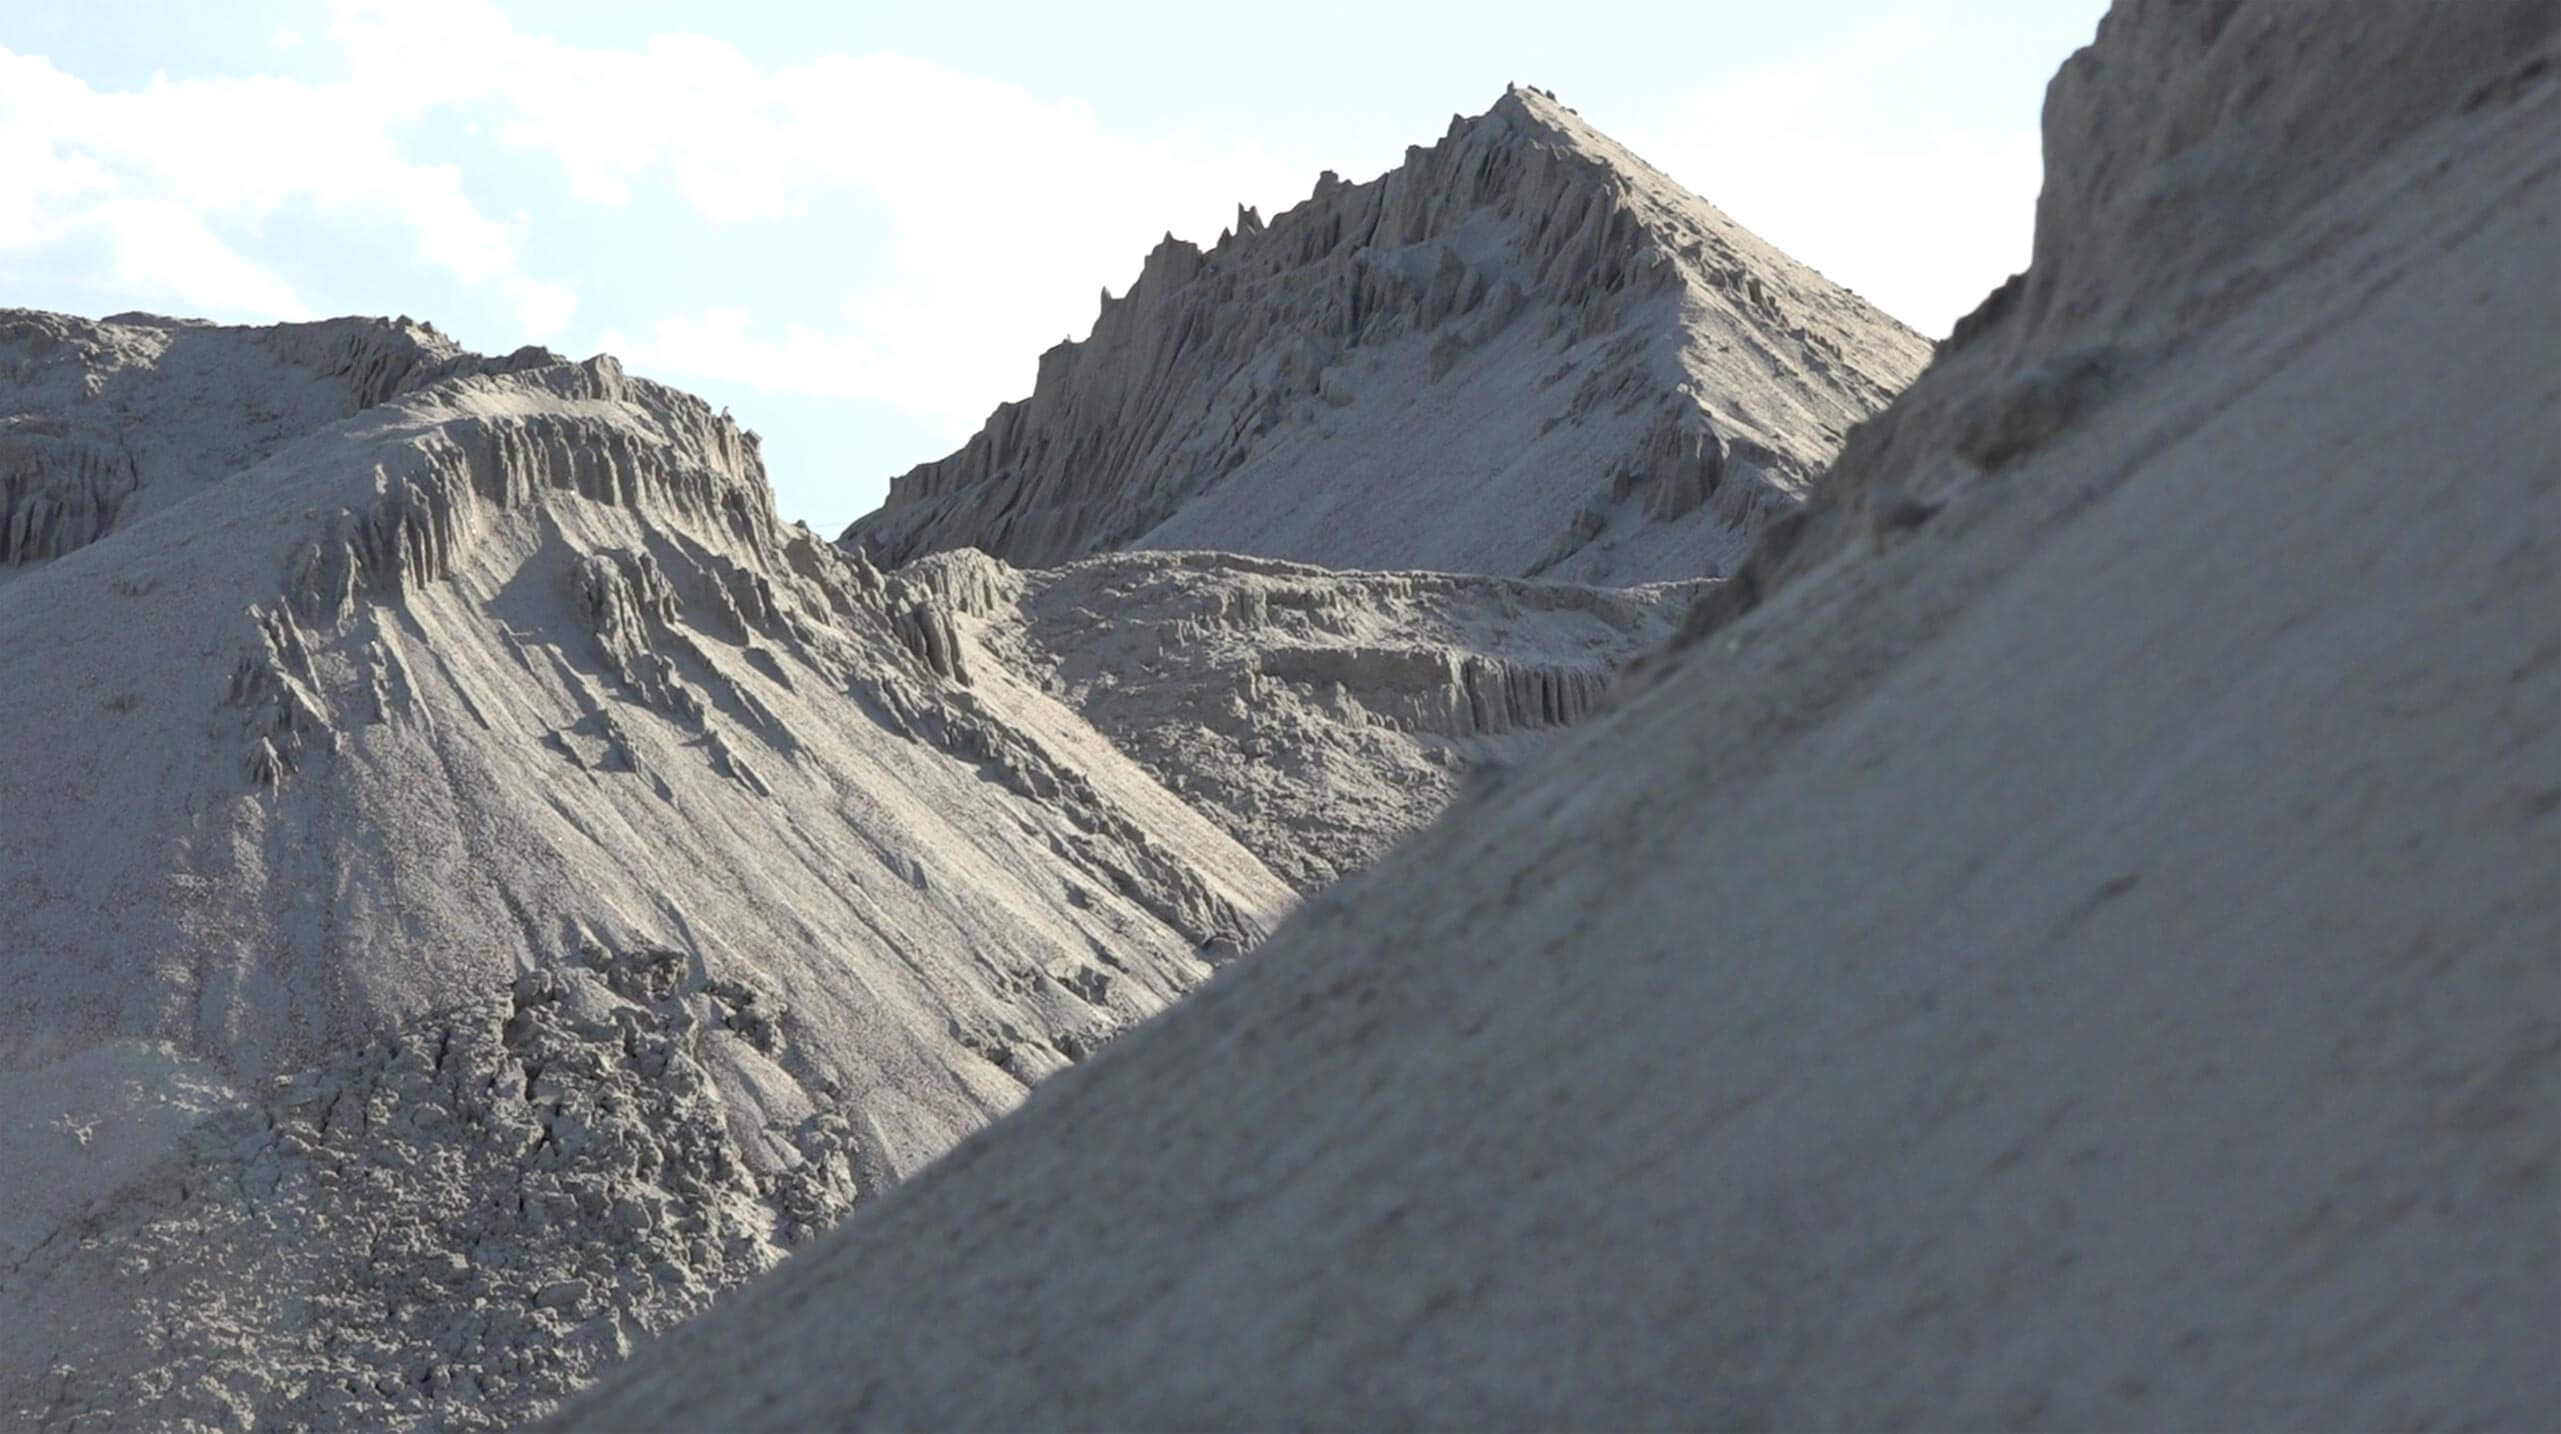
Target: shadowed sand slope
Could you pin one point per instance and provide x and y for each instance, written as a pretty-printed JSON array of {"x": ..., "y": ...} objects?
[{"x": 2078, "y": 954}]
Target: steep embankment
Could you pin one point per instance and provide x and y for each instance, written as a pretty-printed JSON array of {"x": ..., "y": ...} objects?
[
  {"x": 1525, "y": 351},
  {"x": 2172, "y": 155},
  {"x": 478, "y": 885},
  {"x": 2077, "y": 956}
]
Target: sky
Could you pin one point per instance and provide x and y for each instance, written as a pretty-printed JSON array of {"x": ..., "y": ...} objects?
[{"x": 858, "y": 224}]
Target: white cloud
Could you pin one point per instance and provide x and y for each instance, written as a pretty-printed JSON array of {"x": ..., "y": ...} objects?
[
  {"x": 720, "y": 343},
  {"x": 544, "y": 308},
  {"x": 34, "y": 179},
  {"x": 1923, "y": 228},
  {"x": 1006, "y": 211},
  {"x": 147, "y": 179},
  {"x": 161, "y": 247},
  {"x": 1922, "y": 221}
]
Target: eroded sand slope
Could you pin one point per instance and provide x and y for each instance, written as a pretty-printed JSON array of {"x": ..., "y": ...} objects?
[
  {"x": 2076, "y": 954},
  {"x": 1524, "y": 351},
  {"x": 479, "y": 886}
]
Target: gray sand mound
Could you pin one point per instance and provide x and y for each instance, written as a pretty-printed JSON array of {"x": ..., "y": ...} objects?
[
  {"x": 2068, "y": 945},
  {"x": 479, "y": 886},
  {"x": 1524, "y": 351}
]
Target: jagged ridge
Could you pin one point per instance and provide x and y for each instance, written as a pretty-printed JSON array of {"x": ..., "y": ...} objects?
[
  {"x": 104, "y": 437},
  {"x": 1250, "y": 396}
]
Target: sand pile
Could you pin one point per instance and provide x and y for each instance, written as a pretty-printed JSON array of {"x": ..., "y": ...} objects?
[
  {"x": 1524, "y": 352},
  {"x": 2077, "y": 953},
  {"x": 472, "y": 832},
  {"x": 480, "y": 886}
]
